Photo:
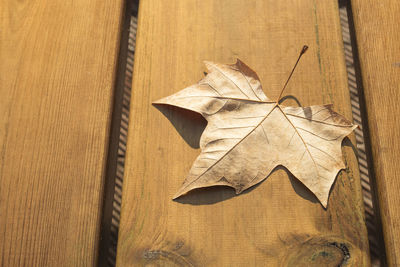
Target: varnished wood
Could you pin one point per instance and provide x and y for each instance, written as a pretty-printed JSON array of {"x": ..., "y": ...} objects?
[
  {"x": 378, "y": 38},
  {"x": 57, "y": 72},
  {"x": 277, "y": 223}
]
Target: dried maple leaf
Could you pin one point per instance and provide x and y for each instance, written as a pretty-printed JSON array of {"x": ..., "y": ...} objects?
[{"x": 248, "y": 135}]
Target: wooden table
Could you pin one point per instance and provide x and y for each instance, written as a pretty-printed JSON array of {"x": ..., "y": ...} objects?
[{"x": 60, "y": 83}]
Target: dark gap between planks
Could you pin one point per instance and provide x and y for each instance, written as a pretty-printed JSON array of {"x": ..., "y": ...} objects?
[
  {"x": 112, "y": 201},
  {"x": 368, "y": 185}
]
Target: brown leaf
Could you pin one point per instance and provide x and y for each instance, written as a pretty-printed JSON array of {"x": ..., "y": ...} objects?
[{"x": 248, "y": 135}]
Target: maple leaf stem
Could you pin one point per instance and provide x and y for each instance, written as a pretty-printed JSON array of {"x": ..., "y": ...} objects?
[{"x": 303, "y": 50}]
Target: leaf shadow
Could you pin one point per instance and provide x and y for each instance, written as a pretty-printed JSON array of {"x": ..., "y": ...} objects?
[
  {"x": 207, "y": 195},
  {"x": 189, "y": 124},
  {"x": 215, "y": 194},
  {"x": 347, "y": 142},
  {"x": 298, "y": 186},
  {"x": 290, "y": 97},
  {"x": 211, "y": 195}
]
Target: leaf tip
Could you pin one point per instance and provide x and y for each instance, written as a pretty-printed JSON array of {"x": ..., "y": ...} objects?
[
  {"x": 176, "y": 196},
  {"x": 323, "y": 199},
  {"x": 238, "y": 190},
  {"x": 208, "y": 64},
  {"x": 238, "y": 61},
  {"x": 180, "y": 193},
  {"x": 160, "y": 101}
]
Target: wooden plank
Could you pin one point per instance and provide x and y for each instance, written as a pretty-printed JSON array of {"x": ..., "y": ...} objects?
[
  {"x": 378, "y": 38},
  {"x": 278, "y": 222},
  {"x": 57, "y": 75}
]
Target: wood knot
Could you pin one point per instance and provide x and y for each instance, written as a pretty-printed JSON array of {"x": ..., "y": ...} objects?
[
  {"x": 171, "y": 254},
  {"x": 318, "y": 251},
  {"x": 165, "y": 258}
]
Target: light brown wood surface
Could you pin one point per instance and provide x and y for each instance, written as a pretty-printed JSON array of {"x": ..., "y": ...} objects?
[
  {"x": 57, "y": 72},
  {"x": 378, "y": 40},
  {"x": 279, "y": 222}
]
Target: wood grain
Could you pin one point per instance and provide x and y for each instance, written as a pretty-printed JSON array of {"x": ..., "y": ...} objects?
[
  {"x": 57, "y": 74},
  {"x": 279, "y": 222},
  {"x": 378, "y": 38}
]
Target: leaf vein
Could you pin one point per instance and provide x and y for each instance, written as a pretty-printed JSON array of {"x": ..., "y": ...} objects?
[
  {"x": 332, "y": 124},
  {"x": 322, "y": 151},
  {"x": 323, "y": 138},
  {"x": 226, "y": 76},
  {"x": 251, "y": 88}
]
